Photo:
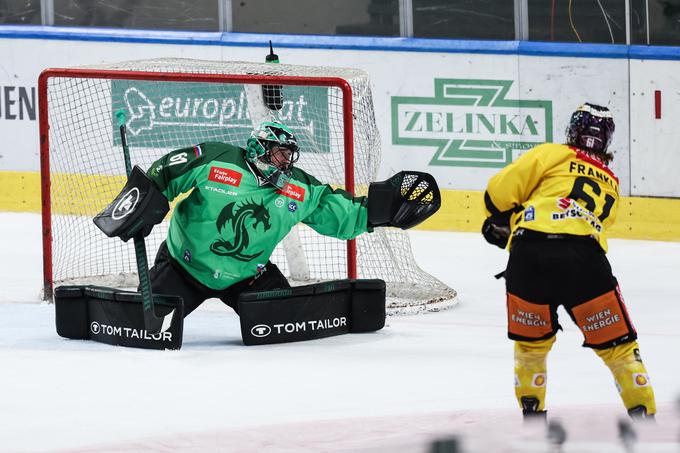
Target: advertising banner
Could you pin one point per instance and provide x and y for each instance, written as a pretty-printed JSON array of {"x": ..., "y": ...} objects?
[{"x": 458, "y": 116}]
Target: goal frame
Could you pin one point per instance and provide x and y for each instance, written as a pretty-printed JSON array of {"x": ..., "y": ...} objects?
[{"x": 256, "y": 79}]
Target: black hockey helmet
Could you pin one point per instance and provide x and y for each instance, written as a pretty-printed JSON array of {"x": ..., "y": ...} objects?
[{"x": 591, "y": 127}]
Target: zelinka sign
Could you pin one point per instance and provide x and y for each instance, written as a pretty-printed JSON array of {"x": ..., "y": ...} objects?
[
  {"x": 179, "y": 114},
  {"x": 471, "y": 123}
]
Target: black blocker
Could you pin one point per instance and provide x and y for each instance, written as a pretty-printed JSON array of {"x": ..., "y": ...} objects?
[{"x": 135, "y": 210}]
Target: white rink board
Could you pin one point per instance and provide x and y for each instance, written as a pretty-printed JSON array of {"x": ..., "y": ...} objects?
[
  {"x": 600, "y": 81},
  {"x": 564, "y": 82},
  {"x": 655, "y": 154}
]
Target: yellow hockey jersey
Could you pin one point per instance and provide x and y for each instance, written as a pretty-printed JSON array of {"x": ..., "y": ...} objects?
[{"x": 556, "y": 189}]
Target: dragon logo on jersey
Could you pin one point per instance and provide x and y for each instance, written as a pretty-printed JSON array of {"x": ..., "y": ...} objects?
[{"x": 233, "y": 224}]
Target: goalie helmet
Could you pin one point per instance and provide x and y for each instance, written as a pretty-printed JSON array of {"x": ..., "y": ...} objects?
[
  {"x": 591, "y": 127},
  {"x": 272, "y": 148}
]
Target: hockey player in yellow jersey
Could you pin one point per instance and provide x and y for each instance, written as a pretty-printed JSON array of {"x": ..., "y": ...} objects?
[{"x": 551, "y": 208}]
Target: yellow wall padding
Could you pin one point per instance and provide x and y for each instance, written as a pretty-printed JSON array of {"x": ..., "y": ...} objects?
[
  {"x": 19, "y": 191},
  {"x": 655, "y": 219},
  {"x": 462, "y": 210}
]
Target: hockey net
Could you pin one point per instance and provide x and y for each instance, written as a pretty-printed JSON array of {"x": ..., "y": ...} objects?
[{"x": 175, "y": 103}]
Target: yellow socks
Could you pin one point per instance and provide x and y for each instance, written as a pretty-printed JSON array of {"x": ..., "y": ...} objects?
[
  {"x": 531, "y": 373},
  {"x": 623, "y": 360},
  {"x": 631, "y": 378}
]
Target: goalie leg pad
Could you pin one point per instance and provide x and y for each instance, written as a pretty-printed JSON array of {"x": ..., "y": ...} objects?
[
  {"x": 115, "y": 317},
  {"x": 312, "y": 311}
]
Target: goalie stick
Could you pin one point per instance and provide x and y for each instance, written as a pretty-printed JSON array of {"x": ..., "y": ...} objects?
[{"x": 152, "y": 323}]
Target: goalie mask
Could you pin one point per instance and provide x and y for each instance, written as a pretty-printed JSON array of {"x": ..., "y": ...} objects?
[
  {"x": 272, "y": 149},
  {"x": 591, "y": 127}
]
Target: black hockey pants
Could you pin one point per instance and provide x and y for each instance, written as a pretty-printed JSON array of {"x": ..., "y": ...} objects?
[{"x": 168, "y": 277}]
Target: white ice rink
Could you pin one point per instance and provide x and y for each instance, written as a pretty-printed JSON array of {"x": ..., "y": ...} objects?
[{"x": 422, "y": 377}]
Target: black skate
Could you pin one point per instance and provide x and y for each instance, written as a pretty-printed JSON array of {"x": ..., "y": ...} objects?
[
  {"x": 530, "y": 410},
  {"x": 640, "y": 413}
]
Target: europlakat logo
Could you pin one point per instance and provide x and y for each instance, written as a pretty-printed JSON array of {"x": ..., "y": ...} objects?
[
  {"x": 471, "y": 123},
  {"x": 166, "y": 114}
]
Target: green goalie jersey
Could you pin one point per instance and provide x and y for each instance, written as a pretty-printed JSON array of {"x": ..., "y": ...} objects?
[{"x": 231, "y": 221}]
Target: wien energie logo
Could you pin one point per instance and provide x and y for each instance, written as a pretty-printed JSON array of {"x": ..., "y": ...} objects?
[{"x": 471, "y": 123}]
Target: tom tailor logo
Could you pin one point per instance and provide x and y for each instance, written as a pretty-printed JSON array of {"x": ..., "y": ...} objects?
[
  {"x": 471, "y": 123},
  {"x": 128, "y": 332},
  {"x": 225, "y": 176},
  {"x": 263, "y": 330},
  {"x": 293, "y": 191},
  {"x": 260, "y": 330}
]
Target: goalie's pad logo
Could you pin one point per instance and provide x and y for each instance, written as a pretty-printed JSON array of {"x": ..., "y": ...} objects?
[
  {"x": 233, "y": 225},
  {"x": 126, "y": 204},
  {"x": 261, "y": 330},
  {"x": 128, "y": 332}
]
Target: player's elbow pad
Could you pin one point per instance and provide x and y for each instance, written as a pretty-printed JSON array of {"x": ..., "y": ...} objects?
[
  {"x": 136, "y": 209},
  {"x": 405, "y": 200}
]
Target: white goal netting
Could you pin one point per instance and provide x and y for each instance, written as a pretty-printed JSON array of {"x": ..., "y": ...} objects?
[{"x": 170, "y": 106}]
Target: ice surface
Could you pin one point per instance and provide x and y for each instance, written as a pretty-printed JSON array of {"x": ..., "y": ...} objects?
[{"x": 422, "y": 377}]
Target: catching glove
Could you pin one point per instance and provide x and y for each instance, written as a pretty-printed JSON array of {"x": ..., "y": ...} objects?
[{"x": 403, "y": 201}]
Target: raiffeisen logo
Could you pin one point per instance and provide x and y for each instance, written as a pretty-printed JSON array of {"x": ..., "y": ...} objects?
[{"x": 471, "y": 123}]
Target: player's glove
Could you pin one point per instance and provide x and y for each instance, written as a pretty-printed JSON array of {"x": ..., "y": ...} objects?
[
  {"x": 496, "y": 229},
  {"x": 403, "y": 201},
  {"x": 136, "y": 209}
]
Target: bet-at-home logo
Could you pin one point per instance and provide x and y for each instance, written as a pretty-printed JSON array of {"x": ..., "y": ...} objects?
[
  {"x": 471, "y": 123},
  {"x": 179, "y": 114}
]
